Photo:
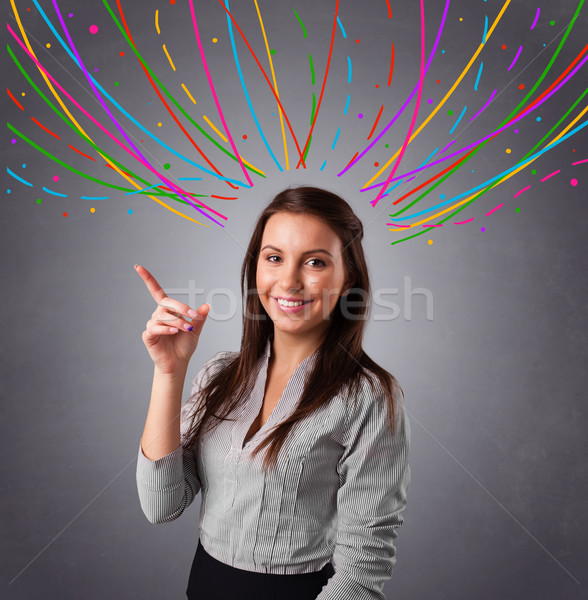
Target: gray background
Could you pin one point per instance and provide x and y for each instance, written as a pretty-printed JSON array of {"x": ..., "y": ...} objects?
[{"x": 495, "y": 381}]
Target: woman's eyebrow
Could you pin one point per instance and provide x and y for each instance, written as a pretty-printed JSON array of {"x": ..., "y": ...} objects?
[{"x": 305, "y": 252}]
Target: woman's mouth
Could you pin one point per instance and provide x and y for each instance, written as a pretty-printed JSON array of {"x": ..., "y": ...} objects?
[{"x": 291, "y": 309}]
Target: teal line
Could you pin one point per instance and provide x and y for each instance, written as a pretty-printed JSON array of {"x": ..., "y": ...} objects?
[
  {"x": 485, "y": 29},
  {"x": 17, "y": 177},
  {"x": 478, "y": 77},
  {"x": 347, "y": 104},
  {"x": 336, "y": 138},
  {"x": 94, "y": 197},
  {"x": 349, "y": 66},
  {"x": 458, "y": 120},
  {"x": 341, "y": 27},
  {"x": 54, "y": 193}
]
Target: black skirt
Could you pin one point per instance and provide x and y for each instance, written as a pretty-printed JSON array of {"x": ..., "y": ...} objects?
[{"x": 214, "y": 580}]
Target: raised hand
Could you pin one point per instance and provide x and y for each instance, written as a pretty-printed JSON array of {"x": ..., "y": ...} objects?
[{"x": 168, "y": 337}]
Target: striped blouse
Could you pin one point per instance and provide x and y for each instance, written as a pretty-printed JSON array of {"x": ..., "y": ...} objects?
[{"x": 336, "y": 494}]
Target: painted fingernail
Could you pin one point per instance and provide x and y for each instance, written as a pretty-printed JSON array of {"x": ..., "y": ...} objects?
[
  {"x": 192, "y": 313},
  {"x": 188, "y": 327}
]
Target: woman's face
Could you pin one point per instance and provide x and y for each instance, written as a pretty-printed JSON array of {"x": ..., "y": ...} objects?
[{"x": 294, "y": 267}]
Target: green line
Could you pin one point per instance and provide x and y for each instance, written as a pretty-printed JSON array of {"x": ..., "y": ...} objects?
[
  {"x": 168, "y": 94},
  {"x": 313, "y": 108},
  {"x": 532, "y": 151},
  {"x": 446, "y": 176},
  {"x": 311, "y": 68},
  {"x": 307, "y": 148},
  {"x": 300, "y": 21}
]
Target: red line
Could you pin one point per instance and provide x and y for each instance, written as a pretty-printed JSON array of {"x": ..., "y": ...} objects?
[
  {"x": 375, "y": 123},
  {"x": 223, "y": 197},
  {"x": 352, "y": 159},
  {"x": 80, "y": 152},
  {"x": 300, "y": 154},
  {"x": 324, "y": 84},
  {"x": 14, "y": 99},
  {"x": 45, "y": 128},
  {"x": 122, "y": 171},
  {"x": 391, "y": 65},
  {"x": 165, "y": 103},
  {"x": 389, "y": 9}
]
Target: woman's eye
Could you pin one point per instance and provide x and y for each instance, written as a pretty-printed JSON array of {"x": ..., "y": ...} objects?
[{"x": 322, "y": 263}]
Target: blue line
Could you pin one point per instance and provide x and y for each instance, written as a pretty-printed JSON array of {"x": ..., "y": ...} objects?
[
  {"x": 245, "y": 89},
  {"x": 478, "y": 77},
  {"x": 349, "y": 65},
  {"x": 485, "y": 28},
  {"x": 17, "y": 177},
  {"x": 189, "y": 178},
  {"x": 94, "y": 197},
  {"x": 458, "y": 120},
  {"x": 347, "y": 104},
  {"x": 341, "y": 27},
  {"x": 394, "y": 186},
  {"x": 124, "y": 112},
  {"x": 137, "y": 191},
  {"x": 490, "y": 181},
  {"x": 323, "y": 166},
  {"x": 54, "y": 193},
  {"x": 336, "y": 138}
]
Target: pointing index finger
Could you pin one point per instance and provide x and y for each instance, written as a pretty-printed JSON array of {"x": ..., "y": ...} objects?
[{"x": 154, "y": 288}]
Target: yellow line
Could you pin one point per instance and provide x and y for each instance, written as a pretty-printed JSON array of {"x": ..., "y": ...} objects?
[
  {"x": 463, "y": 74},
  {"x": 157, "y": 21},
  {"x": 269, "y": 56},
  {"x": 189, "y": 94},
  {"x": 171, "y": 62},
  {"x": 79, "y": 127},
  {"x": 497, "y": 183},
  {"x": 215, "y": 129}
]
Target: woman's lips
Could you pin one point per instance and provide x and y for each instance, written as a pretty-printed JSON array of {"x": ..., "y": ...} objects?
[{"x": 291, "y": 309}]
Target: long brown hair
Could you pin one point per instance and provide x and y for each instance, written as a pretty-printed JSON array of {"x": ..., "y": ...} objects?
[{"x": 341, "y": 362}]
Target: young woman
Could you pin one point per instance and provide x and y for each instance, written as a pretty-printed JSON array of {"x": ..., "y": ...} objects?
[{"x": 298, "y": 442}]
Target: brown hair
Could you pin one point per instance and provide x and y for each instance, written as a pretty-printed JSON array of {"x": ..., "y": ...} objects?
[{"x": 341, "y": 361}]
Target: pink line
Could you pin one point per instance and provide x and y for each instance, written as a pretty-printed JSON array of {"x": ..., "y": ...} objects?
[
  {"x": 512, "y": 64},
  {"x": 536, "y": 19},
  {"x": 220, "y": 112},
  {"x": 415, "y": 113},
  {"x": 488, "y": 214},
  {"x": 463, "y": 222},
  {"x": 179, "y": 190},
  {"x": 551, "y": 175},
  {"x": 440, "y": 225},
  {"x": 485, "y": 106},
  {"x": 521, "y": 191},
  {"x": 580, "y": 162}
]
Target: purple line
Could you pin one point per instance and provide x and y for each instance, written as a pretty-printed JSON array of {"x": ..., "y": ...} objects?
[
  {"x": 494, "y": 133},
  {"x": 521, "y": 191},
  {"x": 485, "y": 106},
  {"x": 512, "y": 64},
  {"x": 450, "y": 143},
  {"x": 379, "y": 137},
  {"x": 551, "y": 175},
  {"x": 536, "y": 19}
]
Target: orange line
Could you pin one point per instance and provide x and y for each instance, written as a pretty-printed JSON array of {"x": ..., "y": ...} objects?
[
  {"x": 375, "y": 123},
  {"x": 45, "y": 128},
  {"x": 14, "y": 99},
  {"x": 80, "y": 152}
]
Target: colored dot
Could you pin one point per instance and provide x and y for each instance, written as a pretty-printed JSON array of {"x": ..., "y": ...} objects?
[
  {"x": 503, "y": 46},
  {"x": 65, "y": 214},
  {"x": 552, "y": 22},
  {"x": 130, "y": 211},
  {"x": 158, "y": 124},
  {"x": 442, "y": 51},
  {"x": 449, "y": 112},
  {"x": 442, "y": 196},
  {"x": 244, "y": 136},
  {"x": 376, "y": 164},
  {"x": 214, "y": 40},
  {"x": 48, "y": 45},
  {"x": 538, "y": 119},
  {"x": 38, "y": 200},
  {"x": 13, "y": 141},
  {"x": 516, "y": 130},
  {"x": 521, "y": 86},
  {"x": 360, "y": 116},
  {"x": 148, "y": 103},
  {"x": 55, "y": 177},
  {"x": 142, "y": 141},
  {"x": 172, "y": 1},
  {"x": 8, "y": 191},
  {"x": 166, "y": 166},
  {"x": 430, "y": 100},
  {"x": 482, "y": 229},
  {"x": 574, "y": 182},
  {"x": 70, "y": 15},
  {"x": 517, "y": 210},
  {"x": 534, "y": 172},
  {"x": 430, "y": 242},
  {"x": 357, "y": 41},
  {"x": 273, "y": 114},
  {"x": 121, "y": 53},
  {"x": 386, "y": 145},
  {"x": 24, "y": 165},
  {"x": 116, "y": 83},
  {"x": 377, "y": 85},
  {"x": 461, "y": 18},
  {"x": 438, "y": 81},
  {"x": 508, "y": 150},
  {"x": 95, "y": 70},
  {"x": 28, "y": 10},
  {"x": 272, "y": 51},
  {"x": 92, "y": 210},
  {"x": 22, "y": 94},
  {"x": 574, "y": 150},
  {"x": 93, "y": 29}
]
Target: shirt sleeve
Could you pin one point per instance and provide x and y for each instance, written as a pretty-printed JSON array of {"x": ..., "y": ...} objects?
[
  {"x": 167, "y": 486},
  {"x": 374, "y": 476}
]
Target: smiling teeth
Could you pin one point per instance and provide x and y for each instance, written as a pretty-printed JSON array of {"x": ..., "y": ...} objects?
[{"x": 285, "y": 303}]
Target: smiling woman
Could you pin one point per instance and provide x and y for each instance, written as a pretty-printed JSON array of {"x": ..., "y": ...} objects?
[{"x": 332, "y": 483}]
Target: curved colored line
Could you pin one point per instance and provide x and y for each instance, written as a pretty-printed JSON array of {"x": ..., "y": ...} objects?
[
  {"x": 485, "y": 28},
  {"x": 495, "y": 208},
  {"x": 391, "y": 66},
  {"x": 376, "y": 122},
  {"x": 389, "y": 9},
  {"x": 271, "y": 63},
  {"x": 349, "y": 71},
  {"x": 478, "y": 77},
  {"x": 406, "y": 103},
  {"x": 300, "y": 21},
  {"x": 14, "y": 99},
  {"x": 54, "y": 193},
  {"x": 521, "y": 191},
  {"x": 341, "y": 27},
  {"x": 157, "y": 21},
  {"x": 171, "y": 62},
  {"x": 347, "y": 104},
  {"x": 449, "y": 93},
  {"x": 484, "y": 107},
  {"x": 311, "y": 68},
  {"x": 415, "y": 112},
  {"x": 536, "y": 19},
  {"x": 551, "y": 175},
  {"x": 12, "y": 174},
  {"x": 458, "y": 120},
  {"x": 513, "y": 63},
  {"x": 320, "y": 99},
  {"x": 336, "y": 138},
  {"x": 45, "y": 128}
]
